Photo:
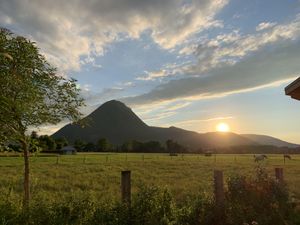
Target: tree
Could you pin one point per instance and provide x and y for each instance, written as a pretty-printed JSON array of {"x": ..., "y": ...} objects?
[
  {"x": 103, "y": 145},
  {"x": 152, "y": 146},
  {"x": 47, "y": 143},
  {"x": 127, "y": 146},
  {"x": 79, "y": 145},
  {"x": 90, "y": 147},
  {"x": 169, "y": 144},
  {"x": 174, "y": 147},
  {"x": 61, "y": 142},
  {"x": 34, "y": 135},
  {"x": 31, "y": 94}
]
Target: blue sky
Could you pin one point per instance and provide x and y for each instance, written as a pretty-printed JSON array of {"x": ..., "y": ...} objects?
[{"x": 191, "y": 64}]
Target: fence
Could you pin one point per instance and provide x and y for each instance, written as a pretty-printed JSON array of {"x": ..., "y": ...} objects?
[
  {"x": 133, "y": 157},
  {"x": 146, "y": 157},
  {"x": 219, "y": 194}
]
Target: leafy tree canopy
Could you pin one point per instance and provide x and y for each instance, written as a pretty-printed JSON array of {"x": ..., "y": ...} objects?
[{"x": 31, "y": 92}]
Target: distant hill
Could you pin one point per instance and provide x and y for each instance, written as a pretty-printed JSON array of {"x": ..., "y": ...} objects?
[
  {"x": 268, "y": 140},
  {"x": 118, "y": 123}
]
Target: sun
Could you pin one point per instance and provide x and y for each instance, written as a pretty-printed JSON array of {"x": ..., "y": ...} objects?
[{"x": 223, "y": 127}]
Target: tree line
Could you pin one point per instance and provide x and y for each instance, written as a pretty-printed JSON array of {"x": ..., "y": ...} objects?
[{"x": 48, "y": 144}]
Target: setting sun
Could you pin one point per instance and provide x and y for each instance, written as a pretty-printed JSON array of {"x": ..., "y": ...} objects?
[{"x": 223, "y": 127}]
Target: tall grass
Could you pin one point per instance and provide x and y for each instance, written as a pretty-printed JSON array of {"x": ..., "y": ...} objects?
[{"x": 259, "y": 199}]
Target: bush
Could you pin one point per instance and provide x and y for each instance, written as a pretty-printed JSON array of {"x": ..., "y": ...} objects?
[
  {"x": 261, "y": 199},
  {"x": 153, "y": 206},
  {"x": 196, "y": 210},
  {"x": 257, "y": 200}
]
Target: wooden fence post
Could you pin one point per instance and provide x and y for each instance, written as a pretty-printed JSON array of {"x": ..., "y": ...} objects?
[
  {"x": 219, "y": 194},
  {"x": 126, "y": 187},
  {"x": 219, "y": 187},
  {"x": 279, "y": 174}
]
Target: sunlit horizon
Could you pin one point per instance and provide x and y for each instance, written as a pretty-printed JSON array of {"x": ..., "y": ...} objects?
[{"x": 223, "y": 127}]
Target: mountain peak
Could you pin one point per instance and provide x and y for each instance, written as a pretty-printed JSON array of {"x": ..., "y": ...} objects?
[
  {"x": 112, "y": 120},
  {"x": 116, "y": 113},
  {"x": 112, "y": 104}
]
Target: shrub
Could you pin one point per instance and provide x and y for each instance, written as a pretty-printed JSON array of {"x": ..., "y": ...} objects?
[
  {"x": 261, "y": 199},
  {"x": 249, "y": 200},
  {"x": 153, "y": 206}
]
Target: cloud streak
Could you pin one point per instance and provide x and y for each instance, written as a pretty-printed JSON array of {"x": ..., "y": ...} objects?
[
  {"x": 259, "y": 70},
  {"x": 185, "y": 122}
]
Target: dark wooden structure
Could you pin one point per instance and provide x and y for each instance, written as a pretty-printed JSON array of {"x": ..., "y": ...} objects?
[
  {"x": 293, "y": 89},
  {"x": 126, "y": 187},
  {"x": 279, "y": 174}
]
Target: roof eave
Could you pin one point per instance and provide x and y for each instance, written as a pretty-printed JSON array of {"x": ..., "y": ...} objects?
[{"x": 293, "y": 89}]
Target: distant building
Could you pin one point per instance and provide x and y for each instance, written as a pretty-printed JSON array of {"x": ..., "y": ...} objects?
[
  {"x": 293, "y": 89},
  {"x": 68, "y": 150}
]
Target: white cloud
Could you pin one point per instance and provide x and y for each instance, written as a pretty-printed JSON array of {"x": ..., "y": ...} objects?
[
  {"x": 67, "y": 30},
  {"x": 264, "y": 25},
  {"x": 230, "y": 48},
  {"x": 153, "y": 75},
  {"x": 160, "y": 110},
  {"x": 186, "y": 21},
  {"x": 127, "y": 84},
  {"x": 50, "y": 129}
]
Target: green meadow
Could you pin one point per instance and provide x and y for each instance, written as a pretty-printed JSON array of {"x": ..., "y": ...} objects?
[{"x": 98, "y": 174}]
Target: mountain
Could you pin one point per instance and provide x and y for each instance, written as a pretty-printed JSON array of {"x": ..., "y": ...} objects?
[
  {"x": 112, "y": 120},
  {"x": 268, "y": 140},
  {"x": 118, "y": 123}
]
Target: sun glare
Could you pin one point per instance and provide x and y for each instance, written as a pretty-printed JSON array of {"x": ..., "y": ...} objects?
[{"x": 223, "y": 127}]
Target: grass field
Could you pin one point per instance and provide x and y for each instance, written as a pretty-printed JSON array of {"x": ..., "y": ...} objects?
[{"x": 99, "y": 174}]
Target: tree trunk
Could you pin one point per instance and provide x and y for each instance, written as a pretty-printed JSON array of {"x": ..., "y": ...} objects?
[{"x": 26, "y": 176}]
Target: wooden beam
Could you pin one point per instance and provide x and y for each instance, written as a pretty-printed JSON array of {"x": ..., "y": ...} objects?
[{"x": 293, "y": 89}]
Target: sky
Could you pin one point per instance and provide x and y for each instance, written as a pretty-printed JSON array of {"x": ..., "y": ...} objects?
[{"x": 186, "y": 63}]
